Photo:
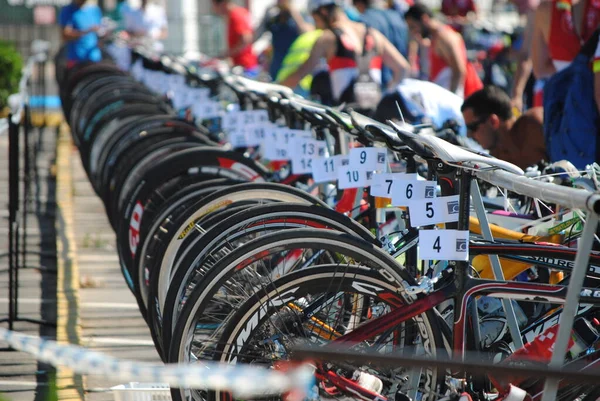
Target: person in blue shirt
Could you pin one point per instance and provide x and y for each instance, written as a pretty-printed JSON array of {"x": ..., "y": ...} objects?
[
  {"x": 285, "y": 24},
  {"x": 391, "y": 24},
  {"x": 80, "y": 24},
  {"x": 118, "y": 14}
]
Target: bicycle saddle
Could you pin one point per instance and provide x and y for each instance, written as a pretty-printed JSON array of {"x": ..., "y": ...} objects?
[
  {"x": 380, "y": 131},
  {"x": 314, "y": 113},
  {"x": 452, "y": 154},
  {"x": 173, "y": 66},
  {"x": 342, "y": 119},
  {"x": 263, "y": 88},
  {"x": 303, "y": 104}
]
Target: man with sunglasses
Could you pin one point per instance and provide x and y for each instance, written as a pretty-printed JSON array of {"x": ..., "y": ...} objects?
[{"x": 490, "y": 121}]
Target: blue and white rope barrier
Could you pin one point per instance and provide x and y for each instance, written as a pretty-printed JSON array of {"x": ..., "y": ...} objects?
[{"x": 242, "y": 381}]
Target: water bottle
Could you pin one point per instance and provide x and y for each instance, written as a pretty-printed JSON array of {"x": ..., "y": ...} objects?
[{"x": 584, "y": 335}]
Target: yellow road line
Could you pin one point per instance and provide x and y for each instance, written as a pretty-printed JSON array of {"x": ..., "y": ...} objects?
[{"x": 69, "y": 385}]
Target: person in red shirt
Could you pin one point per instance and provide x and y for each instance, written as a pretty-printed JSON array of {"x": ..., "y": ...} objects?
[
  {"x": 560, "y": 29},
  {"x": 239, "y": 34},
  {"x": 448, "y": 63}
]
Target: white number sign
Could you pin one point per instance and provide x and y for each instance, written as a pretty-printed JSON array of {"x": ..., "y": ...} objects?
[
  {"x": 444, "y": 245},
  {"x": 433, "y": 211},
  {"x": 406, "y": 191}
]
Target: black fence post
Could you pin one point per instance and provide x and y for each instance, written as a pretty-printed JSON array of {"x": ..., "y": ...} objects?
[
  {"x": 13, "y": 204},
  {"x": 17, "y": 230},
  {"x": 26, "y": 123}
]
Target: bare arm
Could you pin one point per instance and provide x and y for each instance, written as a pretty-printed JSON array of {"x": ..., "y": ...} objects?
[
  {"x": 524, "y": 65},
  {"x": 392, "y": 59},
  {"x": 244, "y": 41},
  {"x": 261, "y": 29},
  {"x": 164, "y": 33},
  {"x": 323, "y": 47},
  {"x": 540, "y": 55},
  {"x": 597, "y": 89},
  {"x": 303, "y": 26},
  {"x": 449, "y": 46},
  {"x": 69, "y": 34}
]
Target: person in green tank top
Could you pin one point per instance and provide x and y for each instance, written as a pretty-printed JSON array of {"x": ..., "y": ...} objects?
[{"x": 297, "y": 54}]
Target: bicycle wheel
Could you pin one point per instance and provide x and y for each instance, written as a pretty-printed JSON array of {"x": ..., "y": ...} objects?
[
  {"x": 110, "y": 104},
  {"x": 77, "y": 77},
  {"x": 196, "y": 164},
  {"x": 276, "y": 318},
  {"x": 150, "y": 244},
  {"x": 125, "y": 182},
  {"x": 102, "y": 137},
  {"x": 99, "y": 96},
  {"x": 234, "y": 280},
  {"x": 169, "y": 237},
  {"x": 267, "y": 192},
  {"x": 122, "y": 144},
  {"x": 105, "y": 132},
  {"x": 231, "y": 233}
]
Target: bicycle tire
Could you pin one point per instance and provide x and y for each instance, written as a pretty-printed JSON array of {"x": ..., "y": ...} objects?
[
  {"x": 140, "y": 154},
  {"x": 298, "y": 284},
  {"x": 198, "y": 161},
  {"x": 357, "y": 250},
  {"x": 110, "y": 124},
  {"x": 79, "y": 73},
  {"x": 98, "y": 96},
  {"x": 176, "y": 205},
  {"x": 128, "y": 180},
  {"x": 260, "y": 218},
  {"x": 241, "y": 192},
  {"x": 119, "y": 145},
  {"x": 106, "y": 129},
  {"x": 98, "y": 111}
]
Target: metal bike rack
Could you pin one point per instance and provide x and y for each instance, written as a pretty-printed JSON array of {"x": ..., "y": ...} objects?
[
  {"x": 574, "y": 199},
  {"x": 18, "y": 209},
  {"x": 555, "y": 371}
]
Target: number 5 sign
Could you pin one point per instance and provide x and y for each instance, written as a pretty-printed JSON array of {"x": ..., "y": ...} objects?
[
  {"x": 444, "y": 245},
  {"x": 433, "y": 211}
]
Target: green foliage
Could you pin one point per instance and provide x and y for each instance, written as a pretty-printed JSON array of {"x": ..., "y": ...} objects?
[{"x": 11, "y": 64}]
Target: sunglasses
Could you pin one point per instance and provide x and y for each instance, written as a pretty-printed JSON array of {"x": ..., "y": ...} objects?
[{"x": 474, "y": 126}]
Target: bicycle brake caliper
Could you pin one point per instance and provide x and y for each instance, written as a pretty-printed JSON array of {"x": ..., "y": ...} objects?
[{"x": 425, "y": 286}]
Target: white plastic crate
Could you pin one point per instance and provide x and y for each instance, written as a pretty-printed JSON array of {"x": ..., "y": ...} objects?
[{"x": 142, "y": 392}]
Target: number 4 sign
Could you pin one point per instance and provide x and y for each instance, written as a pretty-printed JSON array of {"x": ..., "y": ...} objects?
[{"x": 444, "y": 245}]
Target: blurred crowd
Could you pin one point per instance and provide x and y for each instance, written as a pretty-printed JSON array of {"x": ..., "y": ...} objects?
[{"x": 435, "y": 65}]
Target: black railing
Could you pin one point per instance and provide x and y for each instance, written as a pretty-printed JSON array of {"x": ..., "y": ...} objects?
[{"x": 23, "y": 144}]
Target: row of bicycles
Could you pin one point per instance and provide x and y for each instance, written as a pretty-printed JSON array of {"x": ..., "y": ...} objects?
[{"x": 274, "y": 222}]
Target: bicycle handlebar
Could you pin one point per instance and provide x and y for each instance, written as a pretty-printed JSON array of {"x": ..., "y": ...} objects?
[{"x": 548, "y": 192}]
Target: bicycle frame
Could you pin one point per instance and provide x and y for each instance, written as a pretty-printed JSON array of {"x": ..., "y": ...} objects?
[{"x": 458, "y": 285}]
